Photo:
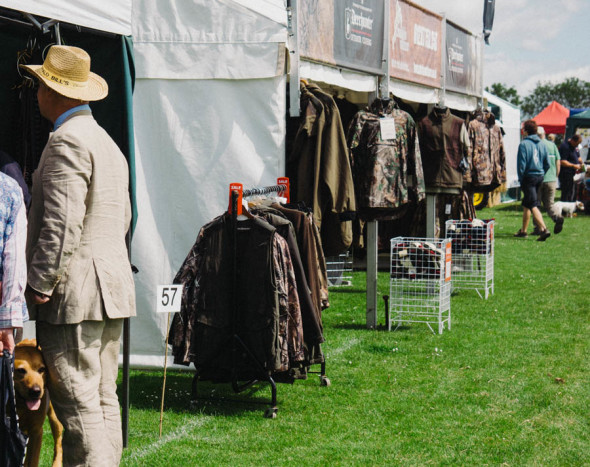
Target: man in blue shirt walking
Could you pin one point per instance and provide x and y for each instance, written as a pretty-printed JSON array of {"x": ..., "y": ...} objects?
[{"x": 532, "y": 163}]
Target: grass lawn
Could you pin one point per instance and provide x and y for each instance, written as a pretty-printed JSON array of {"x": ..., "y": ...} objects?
[{"x": 509, "y": 384}]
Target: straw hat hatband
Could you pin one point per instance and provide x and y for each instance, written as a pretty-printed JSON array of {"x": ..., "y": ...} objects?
[{"x": 66, "y": 70}]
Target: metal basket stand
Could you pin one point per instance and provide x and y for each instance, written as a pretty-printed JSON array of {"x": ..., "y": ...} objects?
[
  {"x": 420, "y": 282},
  {"x": 473, "y": 254}
]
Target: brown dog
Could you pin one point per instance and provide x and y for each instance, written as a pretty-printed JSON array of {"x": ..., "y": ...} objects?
[{"x": 32, "y": 402}]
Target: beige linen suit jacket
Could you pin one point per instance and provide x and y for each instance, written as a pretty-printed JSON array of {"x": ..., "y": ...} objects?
[{"x": 80, "y": 214}]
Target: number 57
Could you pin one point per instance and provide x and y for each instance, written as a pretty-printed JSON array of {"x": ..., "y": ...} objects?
[{"x": 166, "y": 296}]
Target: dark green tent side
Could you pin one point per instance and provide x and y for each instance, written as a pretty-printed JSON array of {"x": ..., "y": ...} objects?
[
  {"x": 580, "y": 120},
  {"x": 112, "y": 58}
]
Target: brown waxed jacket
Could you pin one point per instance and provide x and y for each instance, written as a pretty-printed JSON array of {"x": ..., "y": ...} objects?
[
  {"x": 443, "y": 143},
  {"x": 319, "y": 167}
]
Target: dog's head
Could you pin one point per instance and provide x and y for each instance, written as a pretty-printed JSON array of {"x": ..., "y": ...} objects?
[
  {"x": 29, "y": 373},
  {"x": 580, "y": 205}
]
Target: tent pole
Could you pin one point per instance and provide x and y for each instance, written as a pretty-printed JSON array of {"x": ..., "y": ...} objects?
[
  {"x": 293, "y": 41},
  {"x": 126, "y": 352},
  {"x": 125, "y": 383}
]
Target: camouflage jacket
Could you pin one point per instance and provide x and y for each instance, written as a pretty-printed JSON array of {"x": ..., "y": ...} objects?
[
  {"x": 387, "y": 173},
  {"x": 488, "y": 159},
  {"x": 265, "y": 314}
]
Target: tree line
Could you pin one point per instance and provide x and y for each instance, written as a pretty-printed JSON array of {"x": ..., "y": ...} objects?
[{"x": 572, "y": 93}]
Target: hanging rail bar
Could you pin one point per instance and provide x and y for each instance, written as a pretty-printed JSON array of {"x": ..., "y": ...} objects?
[
  {"x": 265, "y": 190},
  {"x": 282, "y": 187}
]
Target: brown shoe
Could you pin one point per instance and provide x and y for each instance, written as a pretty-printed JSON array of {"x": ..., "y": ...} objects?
[{"x": 558, "y": 225}]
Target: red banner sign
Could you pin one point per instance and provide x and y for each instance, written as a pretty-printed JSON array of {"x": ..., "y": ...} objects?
[{"x": 415, "y": 44}]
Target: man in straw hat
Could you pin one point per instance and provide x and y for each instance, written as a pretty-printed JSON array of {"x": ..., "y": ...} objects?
[{"x": 80, "y": 284}]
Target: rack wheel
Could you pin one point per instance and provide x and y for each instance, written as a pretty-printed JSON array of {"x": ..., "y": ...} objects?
[
  {"x": 325, "y": 381},
  {"x": 271, "y": 412}
]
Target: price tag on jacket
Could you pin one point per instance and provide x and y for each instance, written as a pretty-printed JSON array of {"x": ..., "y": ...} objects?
[
  {"x": 169, "y": 298},
  {"x": 387, "y": 127}
]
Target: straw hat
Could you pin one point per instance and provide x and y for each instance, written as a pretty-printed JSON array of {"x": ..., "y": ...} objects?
[{"x": 66, "y": 70}]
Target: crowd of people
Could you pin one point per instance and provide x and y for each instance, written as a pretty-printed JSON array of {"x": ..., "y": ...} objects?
[
  {"x": 69, "y": 267},
  {"x": 540, "y": 164}
]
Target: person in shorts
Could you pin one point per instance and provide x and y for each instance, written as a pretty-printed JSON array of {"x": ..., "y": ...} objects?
[{"x": 532, "y": 162}]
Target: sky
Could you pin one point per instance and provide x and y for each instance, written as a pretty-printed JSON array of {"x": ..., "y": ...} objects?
[{"x": 532, "y": 40}]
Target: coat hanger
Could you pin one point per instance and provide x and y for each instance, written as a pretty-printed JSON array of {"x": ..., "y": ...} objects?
[{"x": 246, "y": 214}]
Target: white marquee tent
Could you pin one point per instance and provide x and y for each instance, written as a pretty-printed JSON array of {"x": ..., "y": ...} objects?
[{"x": 209, "y": 109}]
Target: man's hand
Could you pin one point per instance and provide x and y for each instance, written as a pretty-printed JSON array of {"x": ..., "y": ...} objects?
[
  {"x": 7, "y": 339},
  {"x": 36, "y": 297}
]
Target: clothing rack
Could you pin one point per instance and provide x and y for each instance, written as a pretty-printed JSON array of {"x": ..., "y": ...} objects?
[{"x": 236, "y": 194}]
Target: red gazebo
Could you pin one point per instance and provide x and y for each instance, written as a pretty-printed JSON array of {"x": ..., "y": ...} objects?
[{"x": 553, "y": 117}]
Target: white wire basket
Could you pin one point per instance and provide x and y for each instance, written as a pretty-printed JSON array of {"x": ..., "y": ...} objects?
[
  {"x": 339, "y": 270},
  {"x": 420, "y": 282},
  {"x": 473, "y": 254}
]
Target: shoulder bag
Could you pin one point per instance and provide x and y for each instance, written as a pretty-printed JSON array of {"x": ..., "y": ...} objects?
[{"x": 12, "y": 441}]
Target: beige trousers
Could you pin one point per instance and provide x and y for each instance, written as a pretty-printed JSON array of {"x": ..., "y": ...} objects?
[
  {"x": 82, "y": 364},
  {"x": 546, "y": 194}
]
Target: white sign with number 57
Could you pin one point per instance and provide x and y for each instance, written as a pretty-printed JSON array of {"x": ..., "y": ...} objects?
[{"x": 169, "y": 298}]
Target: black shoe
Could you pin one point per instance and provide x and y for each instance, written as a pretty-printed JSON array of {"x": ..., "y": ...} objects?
[
  {"x": 521, "y": 234},
  {"x": 536, "y": 231},
  {"x": 544, "y": 235},
  {"x": 558, "y": 225}
]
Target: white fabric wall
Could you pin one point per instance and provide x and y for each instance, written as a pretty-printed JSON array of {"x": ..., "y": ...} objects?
[
  {"x": 193, "y": 138},
  {"x": 209, "y": 110}
]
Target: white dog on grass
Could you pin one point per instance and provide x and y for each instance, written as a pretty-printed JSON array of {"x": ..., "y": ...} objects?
[{"x": 567, "y": 208}]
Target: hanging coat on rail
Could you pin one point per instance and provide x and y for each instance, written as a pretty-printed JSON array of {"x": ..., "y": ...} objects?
[
  {"x": 487, "y": 153},
  {"x": 444, "y": 144},
  {"x": 203, "y": 332},
  {"x": 319, "y": 169},
  {"x": 388, "y": 173},
  {"x": 311, "y": 318}
]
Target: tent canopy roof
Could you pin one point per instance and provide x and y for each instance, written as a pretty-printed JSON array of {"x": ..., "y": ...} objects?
[
  {"x": 107, "y": 15},
  {"x": 581, "y": 119},
  {"x": 231, "y": 39},
  {"x": 582, "y": 115},
  {"x": 553, "y": 117}
]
